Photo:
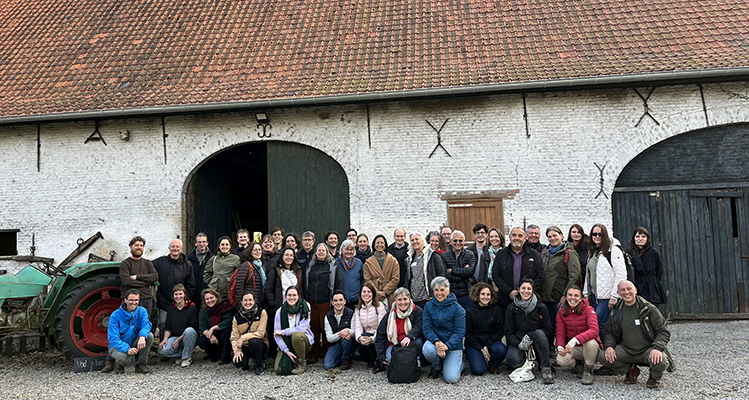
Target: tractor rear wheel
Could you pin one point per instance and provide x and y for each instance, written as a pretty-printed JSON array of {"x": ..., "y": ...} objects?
[{"x": 83, "y": 316}]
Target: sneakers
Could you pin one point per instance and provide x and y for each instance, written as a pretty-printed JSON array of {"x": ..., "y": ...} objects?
[
  {"x": 186, "y": 362},
  {"x": 632, "y": 375},
  {"x": 345, "y": 364},
  {"x": 141, "y": 369},
  {"x": 547, "y": 375},
  {"x": 301, "y": 366},
  {"x": 259, "y": 369},
  {"x": 587, "y": 376},
  {"x": 434, "y": 373},
  {"x": 108, "y": 367},
  {"x": 653, "y": 383}
]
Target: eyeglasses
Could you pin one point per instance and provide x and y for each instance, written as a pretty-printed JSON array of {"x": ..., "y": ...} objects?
[
  {"x": 132, "y": 301},
  {"x": 594, "y": 234},
  {"x": 457, "y": 240}
]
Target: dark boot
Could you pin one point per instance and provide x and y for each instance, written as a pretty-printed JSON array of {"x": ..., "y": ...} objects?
[
  {"x": 632, "y": 375},
  {"x": 108, "y": 367}
]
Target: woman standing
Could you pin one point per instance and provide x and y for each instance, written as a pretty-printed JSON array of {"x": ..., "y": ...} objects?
[
  {"x": 269, "y": 249},
  {"x": 251, "y": 274},
  {"x": 444, "y": 326},
  {"x": 363, "y": 251},
  {"x": 220, "y": 267},
  {"x": 581, "y": 242},
  {"x": 248, "y": 334},
  {"x": 577, "y": 334},
  {"x": 562, "y": 268},
  {"x": 484, "y": 331},
  {"x": 369, "y": 312},
  {"x": 285, "y": 274},
  {"x": 351, "y": 270},
  {"x": 383, "y": 270},
  {"x": 292, "y": 334},
  {"x": 215, "y": 327},
  {"x": 436, "y": 242},
  {"x": 486, "y": 262},
  {"x": 527, "y": 324},
  {"x": 321, "y": 279},
  {"x": 292, "y": 240},
  {"x": 606, "y": 268},
  {"x": 648, "y": 268}
]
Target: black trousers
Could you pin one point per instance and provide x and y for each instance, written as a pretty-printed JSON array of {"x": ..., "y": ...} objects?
[
  {"x": 222, "y": 349},
  {"x": 254, "y": 349}
]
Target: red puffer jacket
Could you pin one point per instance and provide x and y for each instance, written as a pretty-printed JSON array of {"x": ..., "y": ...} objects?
[{"x": 584, "y": 326}]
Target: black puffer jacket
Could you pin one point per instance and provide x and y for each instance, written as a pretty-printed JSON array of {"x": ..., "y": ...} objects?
[
  {"x": 460, "y": 276},
  {"x": 171, "y": 272},
  {"x": 484, "y": 325}
]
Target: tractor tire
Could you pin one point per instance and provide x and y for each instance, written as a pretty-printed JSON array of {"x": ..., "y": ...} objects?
[{"x": 82, "y": 318}]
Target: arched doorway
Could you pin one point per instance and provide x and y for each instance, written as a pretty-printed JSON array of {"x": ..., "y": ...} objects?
[
  {"x": 258, "y": 186},
  {"x": 692, "y": 193}
]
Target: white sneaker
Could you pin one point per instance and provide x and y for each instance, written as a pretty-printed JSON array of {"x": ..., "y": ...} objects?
[{"x": 186, "y": 362}]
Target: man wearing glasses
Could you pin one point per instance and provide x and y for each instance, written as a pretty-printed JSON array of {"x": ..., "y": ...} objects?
[
  {"x": 460, "y": 265},
  {"x": 304, "y": 254},
  {"x": 129, "y": 334}
]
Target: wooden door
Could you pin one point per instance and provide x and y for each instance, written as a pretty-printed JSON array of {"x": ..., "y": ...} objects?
[{"x": 465, "y": 213}]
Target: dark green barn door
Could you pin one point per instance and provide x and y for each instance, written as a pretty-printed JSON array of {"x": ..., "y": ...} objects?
[{"x": 307, "y": 190}]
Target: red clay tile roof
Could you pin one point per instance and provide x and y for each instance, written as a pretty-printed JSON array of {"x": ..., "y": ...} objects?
[{"x": 71, "y": 55}]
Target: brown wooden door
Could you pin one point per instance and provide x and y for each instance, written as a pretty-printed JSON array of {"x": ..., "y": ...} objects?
[{"x": 464, "y": 214}]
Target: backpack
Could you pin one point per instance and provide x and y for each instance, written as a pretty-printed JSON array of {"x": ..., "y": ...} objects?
[
  {"x": 404, "y": 365},
  {"x": 627, "y": 263},
  {"x": 233, "y": 286}
]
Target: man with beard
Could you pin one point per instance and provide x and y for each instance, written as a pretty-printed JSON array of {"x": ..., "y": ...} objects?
[
  {"x": 173, "y": 269},
  {"x": 199, "y": 257},
  {"x": 512, "y": 264}
]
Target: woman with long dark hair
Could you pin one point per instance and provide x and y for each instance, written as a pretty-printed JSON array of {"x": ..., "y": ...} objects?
[
  {"x": 363, "y": 251},
  {"x": 321, "y": 279},
  {"x": 249, "y": 338},
  {"x": 606, "y": 268},
  {"x": 215, "y": 326},
  {"x": 251, "y": 276},
  {"x": 581, "y": 242},
  {"x": 648, "y": 267},
  {"x": 367, "y": 316}
]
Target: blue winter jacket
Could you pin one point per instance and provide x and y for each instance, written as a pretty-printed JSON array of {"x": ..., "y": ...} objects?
[
  {"x": 353, "y": 279},
  {"x": 445, "y": 322},
  {"x": 125, "y": 326}
]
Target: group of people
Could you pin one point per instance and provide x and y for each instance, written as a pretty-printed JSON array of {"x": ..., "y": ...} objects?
[{"x": 300, "y": 302}]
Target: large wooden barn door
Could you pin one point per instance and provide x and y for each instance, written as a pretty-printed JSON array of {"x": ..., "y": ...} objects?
[
  {"x": 307, "y": 190},
  {"x": 692, "y": 193}
]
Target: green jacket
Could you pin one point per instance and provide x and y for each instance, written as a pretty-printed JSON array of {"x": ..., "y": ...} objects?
[
  {"x": 218, "y": 271},
  {"x": 559, "y": 275},
  {"x": 651, "y": 322}
]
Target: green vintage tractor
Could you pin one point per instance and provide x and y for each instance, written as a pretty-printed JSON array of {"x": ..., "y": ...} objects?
[{"x": 68, "y": 306}]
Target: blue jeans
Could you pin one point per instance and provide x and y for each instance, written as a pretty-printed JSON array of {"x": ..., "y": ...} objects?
[
  {"x": 418, "y": 343},
  {"x": 497, "y": 352},
  {"x": 337, "y": 352},
  {"x": 451, "y": 365},
  {"x": 602, "y": 312},
  {"x": 185, "y": 348}
]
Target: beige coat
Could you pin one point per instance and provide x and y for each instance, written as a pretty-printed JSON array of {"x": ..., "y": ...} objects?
[
  {"x": 385, "y": 279},
  {"x": 247, "y": 331}
]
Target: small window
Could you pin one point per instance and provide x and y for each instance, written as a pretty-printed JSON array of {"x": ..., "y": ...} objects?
[{"x": 8, "y": 242}]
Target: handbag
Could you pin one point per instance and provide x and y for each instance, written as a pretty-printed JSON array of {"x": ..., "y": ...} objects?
[{"x": 525, "y": 372}]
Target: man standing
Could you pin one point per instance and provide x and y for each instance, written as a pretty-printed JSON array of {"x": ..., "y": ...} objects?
[
  {"x": 399, "y": 250},
  {"x": 351, "y": 235},
  {"x": 460, "y": 265},
  {"x": 304, "y": 254},
  {"x": 139, "y": 273},
  {"x": 478, "y": 248},
  {"x": 446, "y": 233},
  {"x": 277, "y": 235},
  {"x": 199, "y": 257},
  {"x": 129, "y": 334},
  {"x": 243, "y": 239},
  {"x": 181, "y": 332},
  {"x": 512, "y": 264},
  {"x": 534, "y": 237},
  {"x": 636, "y": 333},
  {"x": 173, "y": 269},
  {"x": 331, "y": 240},
  {"x": 339, "y": 332}
]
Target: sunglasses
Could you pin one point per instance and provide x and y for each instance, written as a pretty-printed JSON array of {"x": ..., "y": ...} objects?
[
  {"x": 594, "y": 234},
  {"x": 457, "y": 240}
]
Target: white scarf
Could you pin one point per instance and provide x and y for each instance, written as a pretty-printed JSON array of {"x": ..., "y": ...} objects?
[{"x": 392, "y": 328}]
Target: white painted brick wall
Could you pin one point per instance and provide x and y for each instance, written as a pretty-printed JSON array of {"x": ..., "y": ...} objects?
[{"x": 124, "y": 188}]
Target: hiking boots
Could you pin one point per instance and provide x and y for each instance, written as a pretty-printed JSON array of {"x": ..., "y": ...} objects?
[
  {"x": 301, "y": 366},
  {"x": 259, "y": 369},
  {"x": 434, "y": 373},
  {"x": 119, "y": 368},
  {"x": 632, "y": 375},
  {"x": 345, "y": 364},
  {"x": 653, "y": 383},
  {"x": 548, "y": 376},
  {"x": 108, "y": 367},
  {"x": 141, "y": 369},
  {"x": 578, "y": 369},
  {"x": 587, "y": 375}
]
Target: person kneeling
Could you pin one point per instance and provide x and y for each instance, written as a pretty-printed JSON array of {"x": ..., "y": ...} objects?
[
  {"x": 402, "y": 325},
  {"x": 129, "y": 334},
  {"x": 292, "y": 334},
  {"x": 484, "y": 328},
  {"x": 180, "y": 328},
  {"x": 339, "y": 333},
  {"x": 248, "y": 334},
  {"x": 444, "y": 327},
  {"x": 577, "y": 326}
]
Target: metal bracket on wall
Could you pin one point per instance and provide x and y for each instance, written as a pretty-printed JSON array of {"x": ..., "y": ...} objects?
[
  {"x": 704, "y": 106},
  {"x": 646, "y": 111},
  {"x": 264, "y": 133},
  {"x": 525, "y": 118},
  {"x": 439, "y": 138},
  {"x": 95, "y": 136},
  {"x": 38, "y": 147},
  {"x": 600, "y": 170},
  {"x": 164, "y": 135}
]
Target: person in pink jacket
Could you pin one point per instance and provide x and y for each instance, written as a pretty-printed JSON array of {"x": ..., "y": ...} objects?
[
  {"x": 367, "y": 316},
  {"x": 577, "y": 335}
]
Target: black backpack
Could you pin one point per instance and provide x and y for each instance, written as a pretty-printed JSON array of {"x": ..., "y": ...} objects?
[
  {"x": 404, "y": 365},
  {"x": 627, "y": 263}
]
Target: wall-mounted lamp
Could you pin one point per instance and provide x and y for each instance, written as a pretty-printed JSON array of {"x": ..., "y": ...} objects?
[
  {"x": 263, "y": 122},
  {"x": 262, "y": 118}
]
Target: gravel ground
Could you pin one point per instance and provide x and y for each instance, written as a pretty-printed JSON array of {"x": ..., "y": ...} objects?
[{"x": 710, "y": 358}]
